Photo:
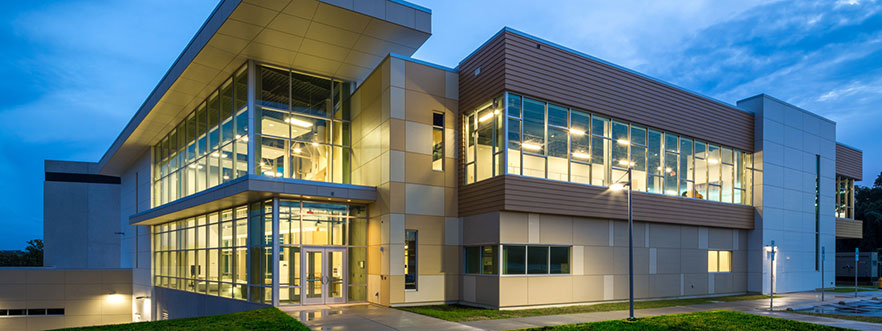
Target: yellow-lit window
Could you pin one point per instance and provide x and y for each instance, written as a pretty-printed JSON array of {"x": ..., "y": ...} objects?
[{"x": 719, "y": 261}]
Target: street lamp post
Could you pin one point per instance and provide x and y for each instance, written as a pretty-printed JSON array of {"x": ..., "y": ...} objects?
[{"x": 616, "y": 187}]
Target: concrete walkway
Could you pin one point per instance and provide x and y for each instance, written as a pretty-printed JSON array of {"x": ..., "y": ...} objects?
[
  {"x": 368, "y": 317},
  {"x": 373, "y": 317}
]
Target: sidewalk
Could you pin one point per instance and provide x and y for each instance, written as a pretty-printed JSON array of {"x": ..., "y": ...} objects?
[
  {"x": 377, "y": 318},
  {"x": 760, "y": 307}
]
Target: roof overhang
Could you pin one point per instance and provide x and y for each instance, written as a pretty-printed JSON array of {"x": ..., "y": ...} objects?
[
  {"x": 338, "y": 39},
  {"x": 252, "y": 188}
]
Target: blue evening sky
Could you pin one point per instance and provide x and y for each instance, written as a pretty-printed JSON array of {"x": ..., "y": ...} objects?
[{"x": 74, "y": 71}]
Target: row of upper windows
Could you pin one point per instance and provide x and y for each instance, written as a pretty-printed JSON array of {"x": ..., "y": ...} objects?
[{"x": 530, "y": 137}]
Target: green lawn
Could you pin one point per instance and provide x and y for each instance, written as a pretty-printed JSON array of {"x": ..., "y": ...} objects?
[
  {"x": 261, "y": 319},
  {"x": 868, "y": 319},
  {"x": 704, "y": 321},
  {"x": 460, "y": 313}
]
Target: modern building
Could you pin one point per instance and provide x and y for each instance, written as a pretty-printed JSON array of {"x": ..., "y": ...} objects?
[{"x": 294, "y": 154}]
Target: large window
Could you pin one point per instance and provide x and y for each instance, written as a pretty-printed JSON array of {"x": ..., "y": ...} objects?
[
  {"x": 844, "y": 197},
  {"x": 535, "y": 260},
  {"x": 204, "y": 254},
  {"x": 228, "y": 253},
  {"x": 719, "y": 261},
  {"x": 545, "y": 140},
  {"x": 302, "y": 126},
  {"x": 208, "y": 147}
]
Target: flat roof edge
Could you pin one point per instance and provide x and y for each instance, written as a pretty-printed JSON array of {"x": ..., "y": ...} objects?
[
  {"x": 567, "y": 49},
  {"x": 412, "y": 5},
  {"x": 408, "y": 58},
  {"x": 850, "y": 147},
  {"x": 766, "y": 96},
  {"x": 136, "y": 119}
]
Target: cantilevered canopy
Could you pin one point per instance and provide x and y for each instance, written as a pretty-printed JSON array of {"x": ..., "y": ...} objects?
[{"x": 335, "y": 38}]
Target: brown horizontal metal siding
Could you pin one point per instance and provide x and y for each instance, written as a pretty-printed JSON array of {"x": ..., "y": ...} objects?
[
  {"x": 475, "y": 90},
  {"x": 482, "y": 197},
  {"x": 534, "y": 195},
  {"x": 573, "y": 80},
  {"x": 846, "y": 228},
  {"x": 849, "y": 162}
]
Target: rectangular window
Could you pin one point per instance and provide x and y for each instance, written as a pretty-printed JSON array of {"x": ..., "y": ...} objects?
[
  {"x": 514, "y": 260},
  {"x": 410, "y": 259},
  {"x": 488, "y": 260},
  {"x": 473, "y": 260},
  {"x": 481, "y": 259},
  {"x": 559, "y": 260},
  {"x": 438, "y": 141},
  {"x": 537, "y": 260},
  {"x": 719, "y": 261}
]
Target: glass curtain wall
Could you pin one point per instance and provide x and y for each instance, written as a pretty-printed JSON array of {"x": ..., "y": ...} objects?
[
  {"x": 204, "y": 254},
  {"x": 844, "y": 197},
  {"x": 302, "y": 126},
  {"x": 545, "y": 140},
  {"x": 229, "y": 253},
  {"x": 208, "y": 147}
]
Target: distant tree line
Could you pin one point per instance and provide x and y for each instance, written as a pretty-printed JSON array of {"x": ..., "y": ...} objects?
[
  {"x": 32, "y": 256},
  {"x": 868, "y": 208}
]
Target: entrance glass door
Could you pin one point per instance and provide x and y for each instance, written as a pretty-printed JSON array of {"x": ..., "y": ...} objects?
[{"x": 324, "y": 275}]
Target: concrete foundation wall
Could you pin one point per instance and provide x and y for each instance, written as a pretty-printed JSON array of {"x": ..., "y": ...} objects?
[{"x": 172, "y": 304}]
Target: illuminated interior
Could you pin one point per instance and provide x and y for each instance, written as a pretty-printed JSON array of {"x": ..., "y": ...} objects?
[{"x": 548, "y": 141}]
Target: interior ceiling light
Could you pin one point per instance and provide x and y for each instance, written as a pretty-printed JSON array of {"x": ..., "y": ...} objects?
[
  {"x": 581, "y": 155},
  {"x": 485, "y": 117},
  {"x": 623, "y": 141},
  {"x": 297, "y": 122},
  {"x": 297, "y": 150},
  {"x": 577, "y": 132},
  {"x": 532, "y": 147}
]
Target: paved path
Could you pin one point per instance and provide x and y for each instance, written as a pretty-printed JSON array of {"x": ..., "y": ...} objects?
[
  {"x": 373, "y": 317},
  {"x": 369, "y": 318}
]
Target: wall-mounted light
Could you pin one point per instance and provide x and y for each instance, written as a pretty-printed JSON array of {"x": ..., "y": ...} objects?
[{"x": 115, "y": 298}]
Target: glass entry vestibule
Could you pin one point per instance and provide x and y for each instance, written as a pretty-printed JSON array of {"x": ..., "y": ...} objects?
[{"x": 277, "y": 251}]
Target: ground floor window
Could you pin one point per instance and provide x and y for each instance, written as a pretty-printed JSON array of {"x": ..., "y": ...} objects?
[
  {"x": 535, "y": 259},
  {"x": 230, "y": 252},
  {"x": 410, "y": 259},
  {"x": 719, "y": 261},
  {"x": 481, "y": 259}
]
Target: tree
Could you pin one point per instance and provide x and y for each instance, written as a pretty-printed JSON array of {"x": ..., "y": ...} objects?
[{"x": 32, "y": 256}]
